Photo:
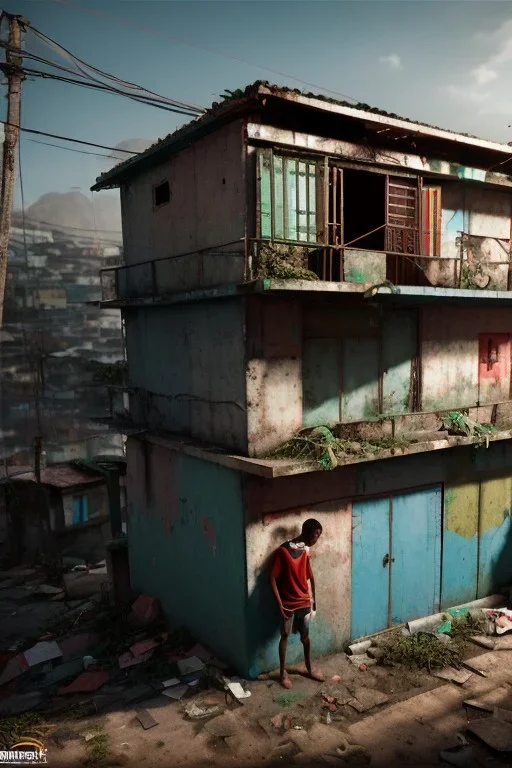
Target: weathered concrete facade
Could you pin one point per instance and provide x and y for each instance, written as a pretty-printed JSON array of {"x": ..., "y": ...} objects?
[
  {"x": 293, "y": 262},
  {"x": 185, "y": 511}
]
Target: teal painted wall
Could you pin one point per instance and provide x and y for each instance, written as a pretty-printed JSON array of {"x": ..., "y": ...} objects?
[{"x": 186, "y": 544}]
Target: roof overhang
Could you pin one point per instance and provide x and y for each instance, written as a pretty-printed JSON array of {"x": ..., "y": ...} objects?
[{"x": 255, "y": 101}]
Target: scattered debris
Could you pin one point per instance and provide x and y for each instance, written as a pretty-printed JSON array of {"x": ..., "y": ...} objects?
[
  {"x": 376, "y": 653},
  {"x": 41, "y": 652},
  {"x": 459, "y": 676},
  {"x": 191, "y": 665},
  {"x": 473, "y": 665},
  {"x": 198, "y": 711},
  {"x": 359, "y": 648},
  {"x": 238, "y": 691},
  {"x": 461, "y": 755},
  {"x": 493, "y": 732},
  {"x": 484, "y": 641},
  {"x": 422, "y": 650},
  {"x": 127, "y": 659},
  {"x": 488, "y": 701},
  {"x": 361, "y": 658},
  {"x": 176, "y": 692},
  {"x": 336, "y": 679},
  {"x": 87, "y": 682}
]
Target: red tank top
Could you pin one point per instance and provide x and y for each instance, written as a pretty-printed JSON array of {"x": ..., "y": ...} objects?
[{"x": 291, "y": 575}]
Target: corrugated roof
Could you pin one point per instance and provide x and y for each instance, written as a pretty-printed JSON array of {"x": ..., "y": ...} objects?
[
  {"x": 57, "y": 476},
  {"x": 256, "y": 92}
]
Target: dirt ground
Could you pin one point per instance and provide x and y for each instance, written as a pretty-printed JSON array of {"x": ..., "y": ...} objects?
[{"x": 421, "y": 718}]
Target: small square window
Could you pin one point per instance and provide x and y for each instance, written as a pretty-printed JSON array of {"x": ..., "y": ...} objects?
[{"x": 161, "y": 194}]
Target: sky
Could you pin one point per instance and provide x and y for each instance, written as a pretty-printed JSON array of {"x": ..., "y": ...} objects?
[{"x": 437, "y": 61}]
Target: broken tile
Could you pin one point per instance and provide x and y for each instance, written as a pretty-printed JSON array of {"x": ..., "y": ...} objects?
[
  {"x": 495, "y": 733},
  {"x": 498, "y": 697},
  {"x": 367, "y": 698},
  {"x": 190, "y": 665},
  {"x": 171, "y": 681},
  {"x": 145, "y": 719},
  {"x": 460, "y": 756},
  {"x": 41, "y": 652},
  {"x": 175, "y": 692},
  {"x": 502, "y": 714},
  {"x": 472, "y": 665},
  {"x": 87, "y": 682},
  {"x": 376, "y": 653},
  {"x": 458, "y": 676}
]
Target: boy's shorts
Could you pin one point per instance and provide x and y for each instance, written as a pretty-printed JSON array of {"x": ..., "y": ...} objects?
[{"x": 298, "y": 622}]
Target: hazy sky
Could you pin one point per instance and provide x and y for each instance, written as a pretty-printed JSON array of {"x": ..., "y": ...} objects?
[{"x": 446, "y": 63}]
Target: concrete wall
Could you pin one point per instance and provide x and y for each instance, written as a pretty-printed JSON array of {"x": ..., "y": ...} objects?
[
  {"x": 186, "y": 544},
  {"x": 207, "y": 204},
  {"x": 188, "y": 360},
  {"x": 274, "y": 372},
  {"x": 449, "y": 367}
]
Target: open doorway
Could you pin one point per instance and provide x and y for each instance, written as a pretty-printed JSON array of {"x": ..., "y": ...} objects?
[{"x": 364, "y": 209}]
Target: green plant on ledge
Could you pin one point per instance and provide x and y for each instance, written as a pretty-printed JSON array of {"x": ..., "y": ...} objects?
[
  {"x": 320, "y": 444},
  {"x": 282, "y": 262},
  {"x": 459, "y": 423}
]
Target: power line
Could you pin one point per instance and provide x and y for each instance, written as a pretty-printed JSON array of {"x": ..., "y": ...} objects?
[
  {"x": 209, "y": 49},
  {"x": 68, "y": 138},
  {"x": 106, "y": 88},
  {"x": 79, "y": 64},
  {"x": 65, "y": 226},
  {"x": 70, "y": 149}
]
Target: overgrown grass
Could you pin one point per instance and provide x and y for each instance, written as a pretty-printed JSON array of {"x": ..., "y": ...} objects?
[
  {"x": 98, "y": 747},
  {"x": 283, "y": 262},
  {"x": 321, "y": 445},
  {"x": 459, "y": 423},
  {"x": 28, "y": 725},
  {"x": 423, "y": 651}
]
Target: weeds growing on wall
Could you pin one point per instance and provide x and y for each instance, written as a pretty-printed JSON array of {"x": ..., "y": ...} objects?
[
  {"x": 320, "y": 444},
  {"x": 282, "y": 262},
  {"x": 459, "y": 423}
]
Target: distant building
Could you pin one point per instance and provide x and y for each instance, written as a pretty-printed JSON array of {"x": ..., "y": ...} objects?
[{"x": 55, "y": 341}]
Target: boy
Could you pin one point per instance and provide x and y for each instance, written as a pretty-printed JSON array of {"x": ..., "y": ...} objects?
[{"x": 289, "y": 577}]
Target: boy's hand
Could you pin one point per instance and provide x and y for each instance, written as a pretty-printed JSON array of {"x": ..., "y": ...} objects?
[{"x": 285, "y": 613}]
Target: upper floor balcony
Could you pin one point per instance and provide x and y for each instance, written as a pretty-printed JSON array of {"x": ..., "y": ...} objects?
[{"x": 313, "y": 220}]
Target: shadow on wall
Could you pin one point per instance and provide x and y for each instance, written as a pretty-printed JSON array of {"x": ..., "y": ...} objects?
[{"x": 264, "y": 619}]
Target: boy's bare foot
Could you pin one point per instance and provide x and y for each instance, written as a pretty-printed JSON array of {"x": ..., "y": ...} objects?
[{"x": 286, "y": 682}]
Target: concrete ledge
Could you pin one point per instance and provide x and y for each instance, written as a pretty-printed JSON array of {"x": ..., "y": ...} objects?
[{"x": 272, "y": 468}]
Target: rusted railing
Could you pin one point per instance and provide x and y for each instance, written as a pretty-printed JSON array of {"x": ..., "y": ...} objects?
[
  {"x": 182, "y": 272},
  {"x": 479, "y": 265}
]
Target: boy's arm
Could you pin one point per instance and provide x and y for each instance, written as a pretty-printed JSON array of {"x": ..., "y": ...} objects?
[
  {"x": 276, "y": 567},
  {"x": 312, "y": 582}
]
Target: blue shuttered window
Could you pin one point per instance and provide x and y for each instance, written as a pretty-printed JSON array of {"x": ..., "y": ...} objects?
[{"x": 80, "y": 509}]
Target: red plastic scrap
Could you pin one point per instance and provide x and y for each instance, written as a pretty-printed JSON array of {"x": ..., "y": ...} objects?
[
  {"x": 87, "y": 682},
  {"x": 145, "y": 609}
]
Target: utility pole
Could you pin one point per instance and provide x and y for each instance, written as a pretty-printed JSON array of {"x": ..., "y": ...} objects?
[{"x": 14, "y": 73}]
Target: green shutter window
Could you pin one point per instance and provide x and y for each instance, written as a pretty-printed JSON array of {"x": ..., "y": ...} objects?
[{"x": 287, "y": 197}]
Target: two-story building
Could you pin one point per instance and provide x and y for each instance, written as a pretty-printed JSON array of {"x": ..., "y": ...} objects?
[{"x": 293, "y": 262}]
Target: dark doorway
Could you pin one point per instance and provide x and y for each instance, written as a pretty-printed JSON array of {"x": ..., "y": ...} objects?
[{"x": 364, "y": 209}]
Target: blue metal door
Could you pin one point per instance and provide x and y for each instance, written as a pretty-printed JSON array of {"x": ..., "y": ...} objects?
[
  {"x": 416, "y": 554},
  {"x": 396, "y": 559},
  {"x": 370, "y": 571}
]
